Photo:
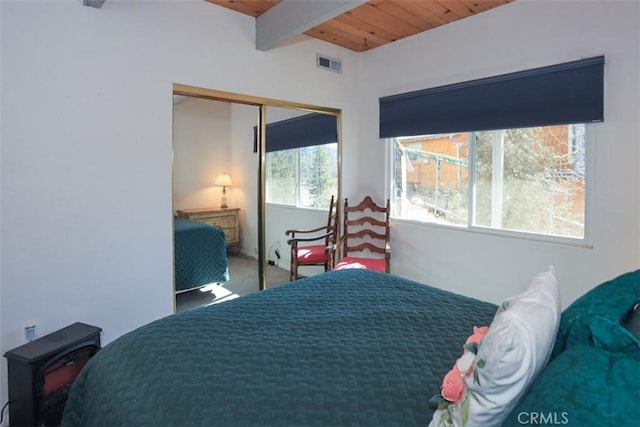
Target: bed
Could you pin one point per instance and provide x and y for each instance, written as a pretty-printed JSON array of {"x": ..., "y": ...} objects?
[
  {"x": 362, "y": 348},
  {"x": 200, "y": 254},
  {"x": 350, "y": 347}
]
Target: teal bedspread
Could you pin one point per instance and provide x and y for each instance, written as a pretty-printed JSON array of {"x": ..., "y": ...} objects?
[
  {"x": 344, "y": 348},
  {"x": 200, "y": 254}
]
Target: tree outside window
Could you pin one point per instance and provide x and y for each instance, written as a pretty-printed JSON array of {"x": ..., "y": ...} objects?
[{"x": 303, "y": 177}]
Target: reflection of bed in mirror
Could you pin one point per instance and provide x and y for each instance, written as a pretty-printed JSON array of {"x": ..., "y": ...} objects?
[{"x": 200, "y": 254}]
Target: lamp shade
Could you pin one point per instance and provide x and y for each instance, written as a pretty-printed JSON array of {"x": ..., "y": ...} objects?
[{"x": 224, "y": 180}]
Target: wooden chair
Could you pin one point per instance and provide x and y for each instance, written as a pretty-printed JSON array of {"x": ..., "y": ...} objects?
[
  {"x": 365, "y": 239},
  {"x": 316, "y": 254}
]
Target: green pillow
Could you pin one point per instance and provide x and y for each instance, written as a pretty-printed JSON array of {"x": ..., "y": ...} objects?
[
  {"x": 631, "y": 320},
  {"x": 595, "y": 317},
  {"x": 583, "y": 386}
]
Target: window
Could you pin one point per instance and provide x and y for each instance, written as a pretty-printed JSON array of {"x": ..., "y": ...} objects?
[
  {"x": 303, "y": 177},
  {"x": 523, "y": 179},
  {"x": 527, "y": 176}
]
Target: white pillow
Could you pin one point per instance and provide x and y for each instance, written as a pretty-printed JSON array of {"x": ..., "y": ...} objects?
[{"x": 511, "y": 355}]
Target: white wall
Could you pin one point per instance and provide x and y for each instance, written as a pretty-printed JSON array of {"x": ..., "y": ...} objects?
[
  {"x": 524, "y": 34},
  {"x": 86, "y": 148}
]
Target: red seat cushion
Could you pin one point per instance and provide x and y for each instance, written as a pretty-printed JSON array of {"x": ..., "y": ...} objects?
[
  {"x": 312, "y": 254},
  {"x": 377, "y": 264}
]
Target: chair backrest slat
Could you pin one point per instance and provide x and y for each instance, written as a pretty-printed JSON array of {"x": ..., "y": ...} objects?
[
  {"x": 364, "y": 246},
  {"x": 366, "y": 229},
  {"x": 332, "y": 221},
  {"x": 367, "y": 220},
  {"x": 365, "y": 232}
]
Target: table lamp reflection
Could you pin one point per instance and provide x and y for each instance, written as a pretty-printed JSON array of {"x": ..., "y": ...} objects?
[{"x": 225, "y": 181}]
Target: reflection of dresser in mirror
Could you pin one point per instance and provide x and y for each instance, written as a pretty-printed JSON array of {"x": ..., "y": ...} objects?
[{"x": 226, "y": 220}]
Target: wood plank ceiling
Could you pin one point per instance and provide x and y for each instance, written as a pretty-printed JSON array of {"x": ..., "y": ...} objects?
[{"x": 377, "y": 22}]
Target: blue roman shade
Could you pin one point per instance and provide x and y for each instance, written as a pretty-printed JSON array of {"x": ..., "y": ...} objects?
[
  {"x": 566, "y": 93},
  {"x": 302, "y": 131}
]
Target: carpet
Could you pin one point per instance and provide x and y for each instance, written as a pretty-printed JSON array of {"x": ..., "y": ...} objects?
[{"x": 243, "y": 280}]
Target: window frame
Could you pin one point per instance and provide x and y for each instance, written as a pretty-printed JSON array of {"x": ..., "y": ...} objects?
[{"x": 590, "y": 136}]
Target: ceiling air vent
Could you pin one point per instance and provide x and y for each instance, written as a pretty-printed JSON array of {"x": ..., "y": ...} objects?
[{"x": 331, "y": 64}]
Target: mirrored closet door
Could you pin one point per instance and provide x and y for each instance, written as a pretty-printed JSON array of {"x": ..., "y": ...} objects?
[
  {"x": 226, "y": 175},
  {"x": 301, "y": 176},
  {"x": 215, "y": 182}
]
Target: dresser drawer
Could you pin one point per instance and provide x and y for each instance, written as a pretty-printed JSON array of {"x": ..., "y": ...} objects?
[
  {"x": 226, "y": 224},
  {"x": 226, "y": 220}
]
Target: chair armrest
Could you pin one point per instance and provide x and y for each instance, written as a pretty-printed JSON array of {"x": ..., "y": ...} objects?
[
  {"x": 310, "y": 239},
  {"x": 313, "y": 230},
  {"x": 337, "y": 247},
  {"x": 338, "y": 244}
]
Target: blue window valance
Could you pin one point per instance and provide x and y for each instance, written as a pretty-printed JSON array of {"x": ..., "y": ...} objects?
[
  {"x": 302, "y": 131},
  {"x": 566, "y": 93}
]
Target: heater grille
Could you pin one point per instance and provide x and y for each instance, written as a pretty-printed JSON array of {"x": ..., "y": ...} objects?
[{"x": 328, "y": 63}]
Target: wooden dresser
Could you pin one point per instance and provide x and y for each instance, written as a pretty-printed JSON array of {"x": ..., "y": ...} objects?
[{"x": 227, "y": 220}]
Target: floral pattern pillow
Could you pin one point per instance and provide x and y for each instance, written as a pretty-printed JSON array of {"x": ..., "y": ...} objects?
[
  {"x": 453, "y": 400},
  {"x": 499, "y": 363}
]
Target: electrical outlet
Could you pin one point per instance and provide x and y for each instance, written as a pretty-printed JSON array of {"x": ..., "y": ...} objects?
[{"x": 30, "y": 332}]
